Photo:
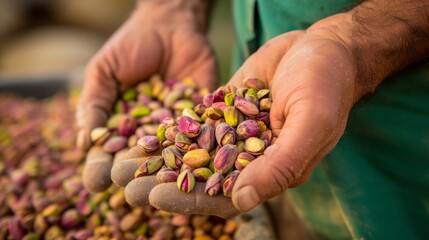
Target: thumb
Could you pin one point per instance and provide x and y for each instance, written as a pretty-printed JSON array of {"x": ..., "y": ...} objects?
[{"x": 301, "y": 143}]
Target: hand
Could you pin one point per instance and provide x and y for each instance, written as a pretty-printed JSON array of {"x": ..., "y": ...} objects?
[
  {"x": 157, "y": 38},
  {"x": 312, "y": 76}
]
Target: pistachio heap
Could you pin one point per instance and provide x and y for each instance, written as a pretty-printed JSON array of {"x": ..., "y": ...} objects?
[
  {"x": 206, "y": 137},
  {"x": 41, "y": 191}
]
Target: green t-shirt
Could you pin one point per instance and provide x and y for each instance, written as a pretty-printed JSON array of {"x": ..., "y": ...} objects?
[{"x": 375, "y": 183}]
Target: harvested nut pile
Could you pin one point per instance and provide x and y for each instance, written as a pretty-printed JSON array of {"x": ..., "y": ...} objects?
[
  {"x": 41, "y": 192},
  {"x": 206, "y": 137}
]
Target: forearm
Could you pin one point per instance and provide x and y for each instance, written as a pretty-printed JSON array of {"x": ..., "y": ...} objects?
[
  {"x": 384, "y": 36},
  {"x": 190, "y": 12}
]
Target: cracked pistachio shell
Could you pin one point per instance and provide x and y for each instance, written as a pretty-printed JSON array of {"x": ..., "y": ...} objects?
[
  {"x": 200, "y": 109},
  {"x": 241, "y": 92},
  {"x": 182, "y": 142},
  {"x": 248, "y": 128},
  {"x": 207, "y": 139},
  {"x": 202, "y": 174},
  {"x": 208, "y": 100},
  {"x": 149, "y": 167},
  {"x": 228, "y": 183},
  {"x": 214, "y": 184},
  {"x": 254, "y": 83},
  {"x": 267, "y": 136},
  {"x": 171, "y": 132},
  {"x": 247, "y": 107},
  {"x": 172, "y": 157},
  {"x": 190, "y": 113},
  {"x": 220, "y": 105},
  {"x": 189, "y": 126},
  {"x": 230, "y": 88},
  {"x": 214, "y": 113},
  {"x": 166, "y": 175},
  {"x": 263, "y": 93},
  {"x": 265, "y": 104},
  {"x": 196, "y": 158},
  {"x": 219, "y": 95},
  {"x": 186, "y": 181},
  {"x": 225, "y": 134},
  {"x": 229, "y": 99},
  {"x": 254, "y": 146},
  {"x": 149, "y": 143},
  {"x": 225, "y": 158},
  {"x": 99, "y": 135},
  {"x": 231, "y": 116}
]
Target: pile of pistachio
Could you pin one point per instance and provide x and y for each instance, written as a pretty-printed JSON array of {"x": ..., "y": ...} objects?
[
  {"x": 41, "y": 191},
  {"x": 206, "y": 137}
]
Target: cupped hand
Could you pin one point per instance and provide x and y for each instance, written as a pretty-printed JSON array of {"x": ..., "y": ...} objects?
[
  {"x": 312, "y": 76},
  {"x": 151, "y": 41}
]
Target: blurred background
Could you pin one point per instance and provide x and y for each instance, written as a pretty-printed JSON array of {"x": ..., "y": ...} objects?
[{"x": 51, "y": 41}]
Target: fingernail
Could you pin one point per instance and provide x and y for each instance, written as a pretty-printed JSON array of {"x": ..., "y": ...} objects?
[{"x": 246, "y": 198}]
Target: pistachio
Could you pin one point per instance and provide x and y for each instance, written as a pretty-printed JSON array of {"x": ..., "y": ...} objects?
[
  {"x": 262, "y": 116},
  {"x": 160, "y": 133},
  {"x": 208, "y": 100},
  {"x": 225, "y": 134},
  {"x": 159, "y": 114},
  {"x": 121, "y": 107},
  {"x": 220, "y": 105},
  {"x": 182, "y": 104},
  {"x": 129, "y": 95},
  {"x": 149, "y": 167},
  {"x": 243, "y": 160},
  {"x": 225, "y": 158},
  {"x": 186, "y": 181},
  {"x": 248, "y": 128},
  {"x": 214, "y": 184},
  {"x": 254, "y": 146},
  {"x": 144, "y": 88},
  {"x": 127, "y": 126},
  {"x": 263, "y": 93},
  {"x": 229, "y": 182},
  {"x": 99, "y": 135},
  {"x": 230, "y": 88},
  {"x": 231, "y": 116},
  {"x": 193, "y": 146},
  {"x": 206, "y": 139},
  {"x": 190, "y": 113},
  {"x": 219, "y": 95},
  {"x": 143, "y": 99},
  {"x": 115, "y": 143},
  {"x": 182, "y": 142},
  {"x": 265, "y": 104},
  {"x": 254, "y": 83},
  {"x": 241, "y": 92},
  {"x": 214, "y": 113},
  {"x": 202, "y": 174},
  {"x": 172, "y": 158},
  {"x": 172, "y": 98},
  {"x": 168, "y": 122},
  {"x": 196, "y": 158},
  {"x": 171, "y": 132},
  {"x": 246, "y": 107},
  {"x": 166, "y": 175},
  {"x": 200, "y": 109},
  {"x": 139, "y": 111},
  {"x": 188, "y": 127},
  {"x": 262, "y": 126},
  {"x": 149, "y": 143},
  {"x": 70, "y": 219},
  {"x": 167, "y": 143},
  {"x": 229, "y": 99}
]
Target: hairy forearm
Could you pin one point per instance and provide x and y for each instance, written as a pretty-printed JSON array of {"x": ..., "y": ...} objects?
[
  {"x": 193, "y": 12},
  {"x": 384, "y": 36}
]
